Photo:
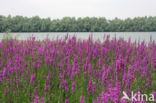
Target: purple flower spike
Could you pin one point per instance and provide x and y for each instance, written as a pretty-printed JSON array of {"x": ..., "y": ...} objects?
[
  {"x": 49, "y": 77},
  {"x": 66, "y": 101},
  {"x": 42, "y": 100},
  {"x": 46, "y": 89},
  {"x": 90, "y": 86},
  {"x": 32, "y": 79},
  {"x": 94, "y": 101},
  {"x": 82, "y": 99},
  {"x": 73, "y": 87},
  {"x": 36, "y": 99}
]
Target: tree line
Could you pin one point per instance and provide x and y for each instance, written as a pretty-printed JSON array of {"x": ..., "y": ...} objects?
[{"x": 72, "y": 24}]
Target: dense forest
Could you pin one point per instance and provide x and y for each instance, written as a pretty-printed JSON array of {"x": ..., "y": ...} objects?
[{"x": 72, "y": 24}]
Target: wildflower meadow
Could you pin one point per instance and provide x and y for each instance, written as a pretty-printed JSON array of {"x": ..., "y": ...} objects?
[{"x": 70, "y": 70}]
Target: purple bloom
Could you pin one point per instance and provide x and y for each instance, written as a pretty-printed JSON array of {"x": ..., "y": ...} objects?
[
  {"x": 66, "y": 101},
  {"x": 6, "y": 91},
  {"x": 32, "y": 79},
  {"x": 104, "y": 97},
  {"x": 42, "y": 100},
  {"x": 147, "y": 82},
  {"x": 1, "y": 76},
  {"x": 90, "y": 86},
  {"x": 94, "y": 101},
  {"x": 94, "y": 89},
  {"x": 52, "y": 95},
  {"x": 49, "y": 76},
  {"x": 73, "y": 87},
  {"x": 82, "y": 99},
  {"x": 99, "y": 62},
  {"x": 46, "y": 88},
  {"x": 154, "y": 62},
  {"x": 0, "y": 62},
  {"x": 36, "y": 99},
  {"x": 89, "y": 70},
  {"x": 29, "y": 71},
  {"x": 66, "y": 85},
  {"x": 36, "y": 91}
]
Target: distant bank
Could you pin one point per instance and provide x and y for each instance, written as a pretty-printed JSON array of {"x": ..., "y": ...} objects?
[{"x": 72, "y": 24}]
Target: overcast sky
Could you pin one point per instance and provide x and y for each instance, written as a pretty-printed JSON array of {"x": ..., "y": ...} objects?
[{"x": 79, "y": 8}]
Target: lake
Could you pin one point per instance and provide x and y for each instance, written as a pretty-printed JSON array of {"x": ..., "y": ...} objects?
[{"x": 84, "y": 35}]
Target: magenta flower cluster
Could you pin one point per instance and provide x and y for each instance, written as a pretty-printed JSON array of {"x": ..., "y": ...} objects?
[{"x": 75, "y": 71}]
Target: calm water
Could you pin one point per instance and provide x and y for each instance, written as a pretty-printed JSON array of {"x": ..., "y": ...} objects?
[{"x": 84, "y": 35}]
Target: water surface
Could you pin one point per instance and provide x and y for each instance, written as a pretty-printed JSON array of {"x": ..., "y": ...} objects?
[{"x": 138, "y": 36}]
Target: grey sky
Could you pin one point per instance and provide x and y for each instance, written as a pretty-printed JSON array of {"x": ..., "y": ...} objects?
[{"x": 79, "y": 8}]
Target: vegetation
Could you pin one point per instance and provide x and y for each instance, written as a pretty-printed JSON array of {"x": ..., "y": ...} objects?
[
  {"x": 76, "y": 71},
  {"x": 71, "y": 24}
]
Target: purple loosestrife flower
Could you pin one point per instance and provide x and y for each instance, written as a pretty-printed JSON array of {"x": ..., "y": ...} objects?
[
  {"x": 154, "y": 93},
  {"x": 84, "y": 67},
  {"x": 99, "y": 62},
  {"x": 42, "y": 100},
  {"x": 49, "y": 76},
  {"x": 125, "y": 78},
  {"x": 131, "y": 78},
  {"x": 61, "y": 76},
  {"x": 46, "y": 88},
  {"x": 82, "y": 99},
  {"x": 39, "y": 63},
  {"x": 124, "y": 101},
  {"x": 47, "y": 59},
  {"x": 114, "y": 94},
  {"x": 5, "y": 72},
  {"x": 78, "y": 69},
  {"x": 120, "y": 67},
  {"x": 66, "y": 85},
  {"x": 73, "y": 71},
  {"x": 28, "y": 73},
  {"x": 66, "y": 101},
  {"x": 89, "y": 70},
  {"x": 131, "y": 69},
  {"x": 129, "y": 51},
  {"x": 144, "y": 72},
  {"x": 128, "y": 92},
  {"x": 21, "y": 72},
  {"x": 6, "y": 91},
  {"x": 94, "y": 101},
  {"x": 0, "y": 62},
  {"x": 25, "y": 66},
  {"x": 145, "y": 61},
  {"x": 62, "y": 84},
  {"x": 104, "y": 77},
  {"x": 94, "y": 89},
  {"x": 36, "y": 90},
  {"x": 99, "y": 100},
  {"x": 32, "y": 79},
  {"x": 36, "y": 99},
  {"x": 73, "y": 87},
  {"x": 52, "y": 95},
  {"x": 147, "y": 83},
  {"x": 1, "y": 79},
  {"x": 127, "y": 58},
  {"x": 1, "y": 76},
  {"x": 104, "y": 97},
  {"x": 34, "y": 65},
  {"x": 154, "y": 62},
  {"x": 90, "y": 86},
  {"x": 104, "y": 51},
  {"x": 60, "y": 66}
]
